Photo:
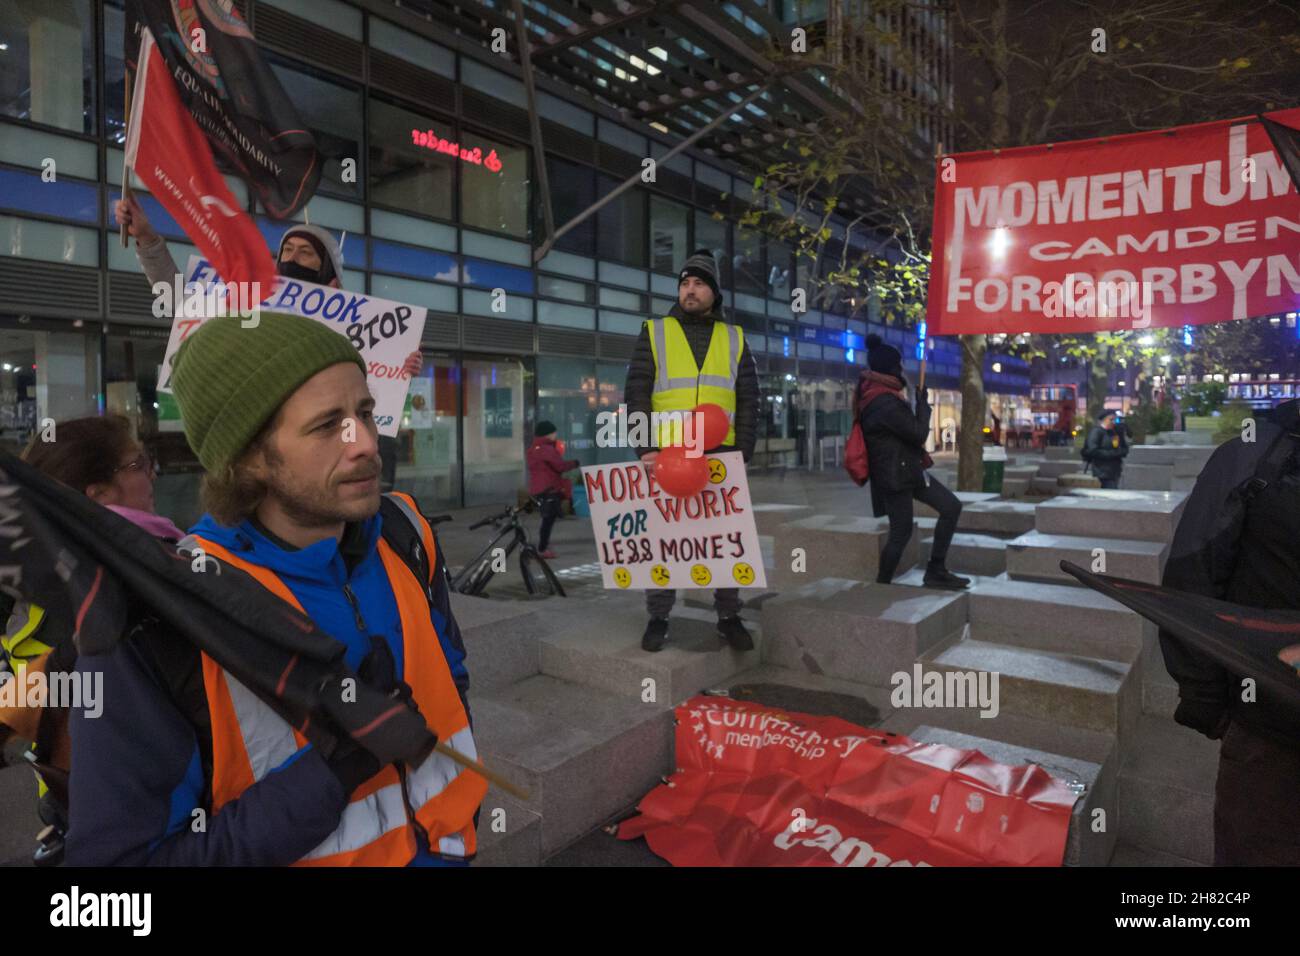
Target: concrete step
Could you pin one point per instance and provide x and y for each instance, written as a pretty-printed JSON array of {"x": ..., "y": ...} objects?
[
  {"x": 1166, "y": 790},
  {"x": 1043, "y": 487},
  {"x": 1008, "y": 518},
  {"x": 1084, "y": 846},
  {"x": 1056, "y": 468},
  {"x": 1061, "y": 453},
  {"x": 1037, "y": 556},
  {"x": 1159, "y": 690},
  {"x": 1179, "y": 483},
  {"x": 583, "y": 753},
  {"x": 599, "y": 644},
  {"x": 1085, "y": 692},
  {"x": 509, "y": 834},
  {"x": 501, "y": 638},
  {"x": 1107, "y": 513},
  {"x": 1169, "y": 454},
  {"x": 1056, "y": 618},
  {"x": 1020, "y": 471},
  {"x": 1015, "y": 487},
  {"x": 1078, "y": 479},
  {"x": 769, "y": 517},
  {"x": 857, "y": 631},
  {"x": 973, "y": 553},
  {"x": 1146, "y": 477},
  {"x": 834, "y": 547}
]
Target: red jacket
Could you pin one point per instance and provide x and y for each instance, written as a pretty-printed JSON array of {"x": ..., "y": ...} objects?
[{"x": 545, "y": 467}]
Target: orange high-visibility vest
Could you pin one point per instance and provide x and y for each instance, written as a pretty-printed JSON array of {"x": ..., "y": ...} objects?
[{"x": 249, "y": 739}]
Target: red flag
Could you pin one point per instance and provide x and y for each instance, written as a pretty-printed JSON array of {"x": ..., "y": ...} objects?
[
  {"x": 758, "y": 787},
  {"x": 171, "y": 156},
  {"x": 1168, "y": 228}
]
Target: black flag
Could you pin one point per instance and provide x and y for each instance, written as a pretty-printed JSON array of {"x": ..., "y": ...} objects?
[
  {"x": 233, "y": 95},
  {"x": 1286, "y": 140}
]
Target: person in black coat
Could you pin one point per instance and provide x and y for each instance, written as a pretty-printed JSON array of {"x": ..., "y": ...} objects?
[
  {"x": 1105, "y": 449},
  {"x": 896, "y": 457},
  {"x": 1238, "y": 540}
]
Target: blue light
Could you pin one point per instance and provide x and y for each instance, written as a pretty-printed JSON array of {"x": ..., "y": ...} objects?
[
  {"x": 848, "y": 355},
  {"x": 785, "y": 346},
  {"x": 1187, "y": 336}
]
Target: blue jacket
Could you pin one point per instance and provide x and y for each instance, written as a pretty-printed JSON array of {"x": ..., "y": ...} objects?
[{"x": 140, "y": 768}]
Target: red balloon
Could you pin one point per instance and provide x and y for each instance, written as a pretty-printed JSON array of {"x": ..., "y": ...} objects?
[
  {"x": 679, "y": 475},
  {"x": 716, "y": 424}
]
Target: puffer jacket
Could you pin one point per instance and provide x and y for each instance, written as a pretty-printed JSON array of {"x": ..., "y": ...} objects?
[{"x": 699, "y": 331}]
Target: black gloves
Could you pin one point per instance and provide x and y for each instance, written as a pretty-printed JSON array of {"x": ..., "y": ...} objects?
[
  {"x": 922, "y": 397},
  {"x": 1210, "y": 719},
  {"x": 352, "y": 764}
]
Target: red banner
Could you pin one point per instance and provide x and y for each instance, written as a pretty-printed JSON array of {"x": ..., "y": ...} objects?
[
  {"x": 759, "y": 787},
  {"x": 1182, "y": 226},
  {"x": 170, "y": 155}
]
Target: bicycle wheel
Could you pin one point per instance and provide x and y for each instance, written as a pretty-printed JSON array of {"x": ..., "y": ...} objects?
[
  {"x": 473, "y": 582},
  {"x": 538, "y": 576}
]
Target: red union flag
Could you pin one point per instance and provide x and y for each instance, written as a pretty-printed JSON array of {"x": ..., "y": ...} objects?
[
  {"x": 171, "y": 156},
  {"x": 759, "y": 787},
  {"x": 1175, "y": 227}
]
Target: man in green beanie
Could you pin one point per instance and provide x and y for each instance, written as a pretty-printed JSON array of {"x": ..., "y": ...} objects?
[{"x": 282, "y": 419}]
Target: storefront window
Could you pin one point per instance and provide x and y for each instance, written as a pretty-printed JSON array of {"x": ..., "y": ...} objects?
[
  {"x": 45, "y": 375},
  {"x": 493, "y": 406},
  {"x": 333, "y": 114},
  {"x": 408, "y": 170},
  {"x": 711, "y": 234},
  {"x": 47, "y": 71},
  {"x": 494, "y": 185},
  {"x": 611, "y": 377},
  {"x": 622, "y": 225},
  {"x": 668, "y": 239},
  {"x": 428, "y": 456},
  {"x": 567, "y": 395}
]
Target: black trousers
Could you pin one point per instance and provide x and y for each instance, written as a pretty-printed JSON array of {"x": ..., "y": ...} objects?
[
  {"x": 551, "y": 502},
  {"x": 1255, "y": 821},
  {"x": 898, "y": 508}
]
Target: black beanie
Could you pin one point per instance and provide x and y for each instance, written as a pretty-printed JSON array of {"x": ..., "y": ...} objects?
[
  {"x": 883, "y": 358},
  {"x": 702, "y": 265},
  {"x": 545, "y": 428}
]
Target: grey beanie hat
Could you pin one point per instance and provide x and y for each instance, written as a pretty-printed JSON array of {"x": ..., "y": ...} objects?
[{"x": 701, "y": 264}]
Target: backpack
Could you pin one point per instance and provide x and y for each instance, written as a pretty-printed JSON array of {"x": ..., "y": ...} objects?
[{"x": 855, "y": 455}]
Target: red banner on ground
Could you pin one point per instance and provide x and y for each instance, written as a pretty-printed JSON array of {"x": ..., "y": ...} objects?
[
  {"x": 170, "y": 155},
  {"x": 761, "y": 787},
  {"x": 1182, "y": 226}
]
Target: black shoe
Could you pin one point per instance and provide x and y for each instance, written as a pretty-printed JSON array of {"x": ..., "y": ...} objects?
[
  {"x": 943, "y": 578},
  {"x": 656, "y": 634},
  {"x": 733, "y": 631}
]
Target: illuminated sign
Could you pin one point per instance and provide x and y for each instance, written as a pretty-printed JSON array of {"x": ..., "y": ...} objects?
[{"x": 431, "y": 140}]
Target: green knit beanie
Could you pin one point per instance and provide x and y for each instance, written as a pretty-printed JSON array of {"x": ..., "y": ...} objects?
[{"x": 229, "y": 380}]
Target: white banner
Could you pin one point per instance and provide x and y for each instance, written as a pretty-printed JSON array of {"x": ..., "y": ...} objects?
[
  {"x": 383, "y": 331},
  {"x": 647, "y": 538}
]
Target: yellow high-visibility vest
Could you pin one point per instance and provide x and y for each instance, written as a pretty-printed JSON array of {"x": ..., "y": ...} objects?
[{"x": 680, "y": 384}]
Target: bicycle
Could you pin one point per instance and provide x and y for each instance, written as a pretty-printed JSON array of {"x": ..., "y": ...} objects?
[{"x": 537, "y": 574}]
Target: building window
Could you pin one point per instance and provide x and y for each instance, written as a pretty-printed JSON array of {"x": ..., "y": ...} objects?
[
  {"x": 711, "y": 234},
  {"x": 622, "y": 224},
  {"x": 749, "y": 262},
  {"x": 47, "y": 71},
  {"x": 333, "y": 114},
  {"x": 668, "y": 235},
  {"x": 411, "y": 166},
  {"x": 494, "y": 185},
  {"x": 780, "y": 270},
  {"x": 573, "y": 190}
]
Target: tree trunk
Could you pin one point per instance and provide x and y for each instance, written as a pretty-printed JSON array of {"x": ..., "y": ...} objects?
[
  {"x": 1098, "y": 386},
  {"x": 970, "y": 443}
]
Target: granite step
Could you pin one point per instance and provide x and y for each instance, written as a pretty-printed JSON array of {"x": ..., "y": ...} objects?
[
  {"x": 863, "y": 632},
  {"x": 770, "y": 516},
  {"x": 1007, "y": 518},
  {"x": 502, "y": 638},
  {"x": 973, "y": 553},
  {"x": 1111, "y": 513},
  {"x": 1036, "y": 556},
  {"x": 1146, "y": 477},
  {"x": 1166, "y": 790},
  {"x": 509, "y": 834},
  {"x": 1061, "y": 453},
  {"x": 583, "y": 753},
  {"x": 834, "y": 546},
  {"x": 1086, "y": 692},
  {"x": 1055, "y": 469}
]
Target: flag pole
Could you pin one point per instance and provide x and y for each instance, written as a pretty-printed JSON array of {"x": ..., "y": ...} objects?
[
  {"x": 920, "y": 382},
  {"x": 126, "y": 172}
]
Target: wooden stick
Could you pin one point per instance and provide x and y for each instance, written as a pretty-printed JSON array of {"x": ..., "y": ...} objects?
[{"x": 478, "y": 768}]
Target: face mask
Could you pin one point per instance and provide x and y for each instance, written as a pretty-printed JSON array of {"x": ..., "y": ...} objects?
[{"x": 295, "y": 270}]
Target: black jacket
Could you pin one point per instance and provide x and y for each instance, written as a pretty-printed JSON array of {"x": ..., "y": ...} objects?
[
  {"x": 1205, "y": 554},
  {"x": 1106, "y": 460},
  {"x": 895, "y": 437},
  {"x": 698, "y": 330}
]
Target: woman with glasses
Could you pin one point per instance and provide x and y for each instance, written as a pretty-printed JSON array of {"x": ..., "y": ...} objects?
[{"x": 101, "y": 458}]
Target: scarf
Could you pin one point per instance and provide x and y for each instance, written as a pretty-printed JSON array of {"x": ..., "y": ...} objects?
[
  {"x": 871, "y": 385},
  {"x": 156, "y": 525}
]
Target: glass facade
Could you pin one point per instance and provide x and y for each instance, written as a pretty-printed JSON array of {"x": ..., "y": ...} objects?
[{"x": 439, "y": 207}]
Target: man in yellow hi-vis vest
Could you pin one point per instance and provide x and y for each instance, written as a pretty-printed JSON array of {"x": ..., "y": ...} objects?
[{"x": 690, "y": 357}]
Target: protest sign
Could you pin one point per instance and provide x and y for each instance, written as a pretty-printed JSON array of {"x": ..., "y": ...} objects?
[
  {"x": 647, "y": 538},
  {"x": 383, "y": 331}
]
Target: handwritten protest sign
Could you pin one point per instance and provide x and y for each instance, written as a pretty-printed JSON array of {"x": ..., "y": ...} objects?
[
  {"x": 383, "y": 331},
  {"x": 647, "y": 538}
]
